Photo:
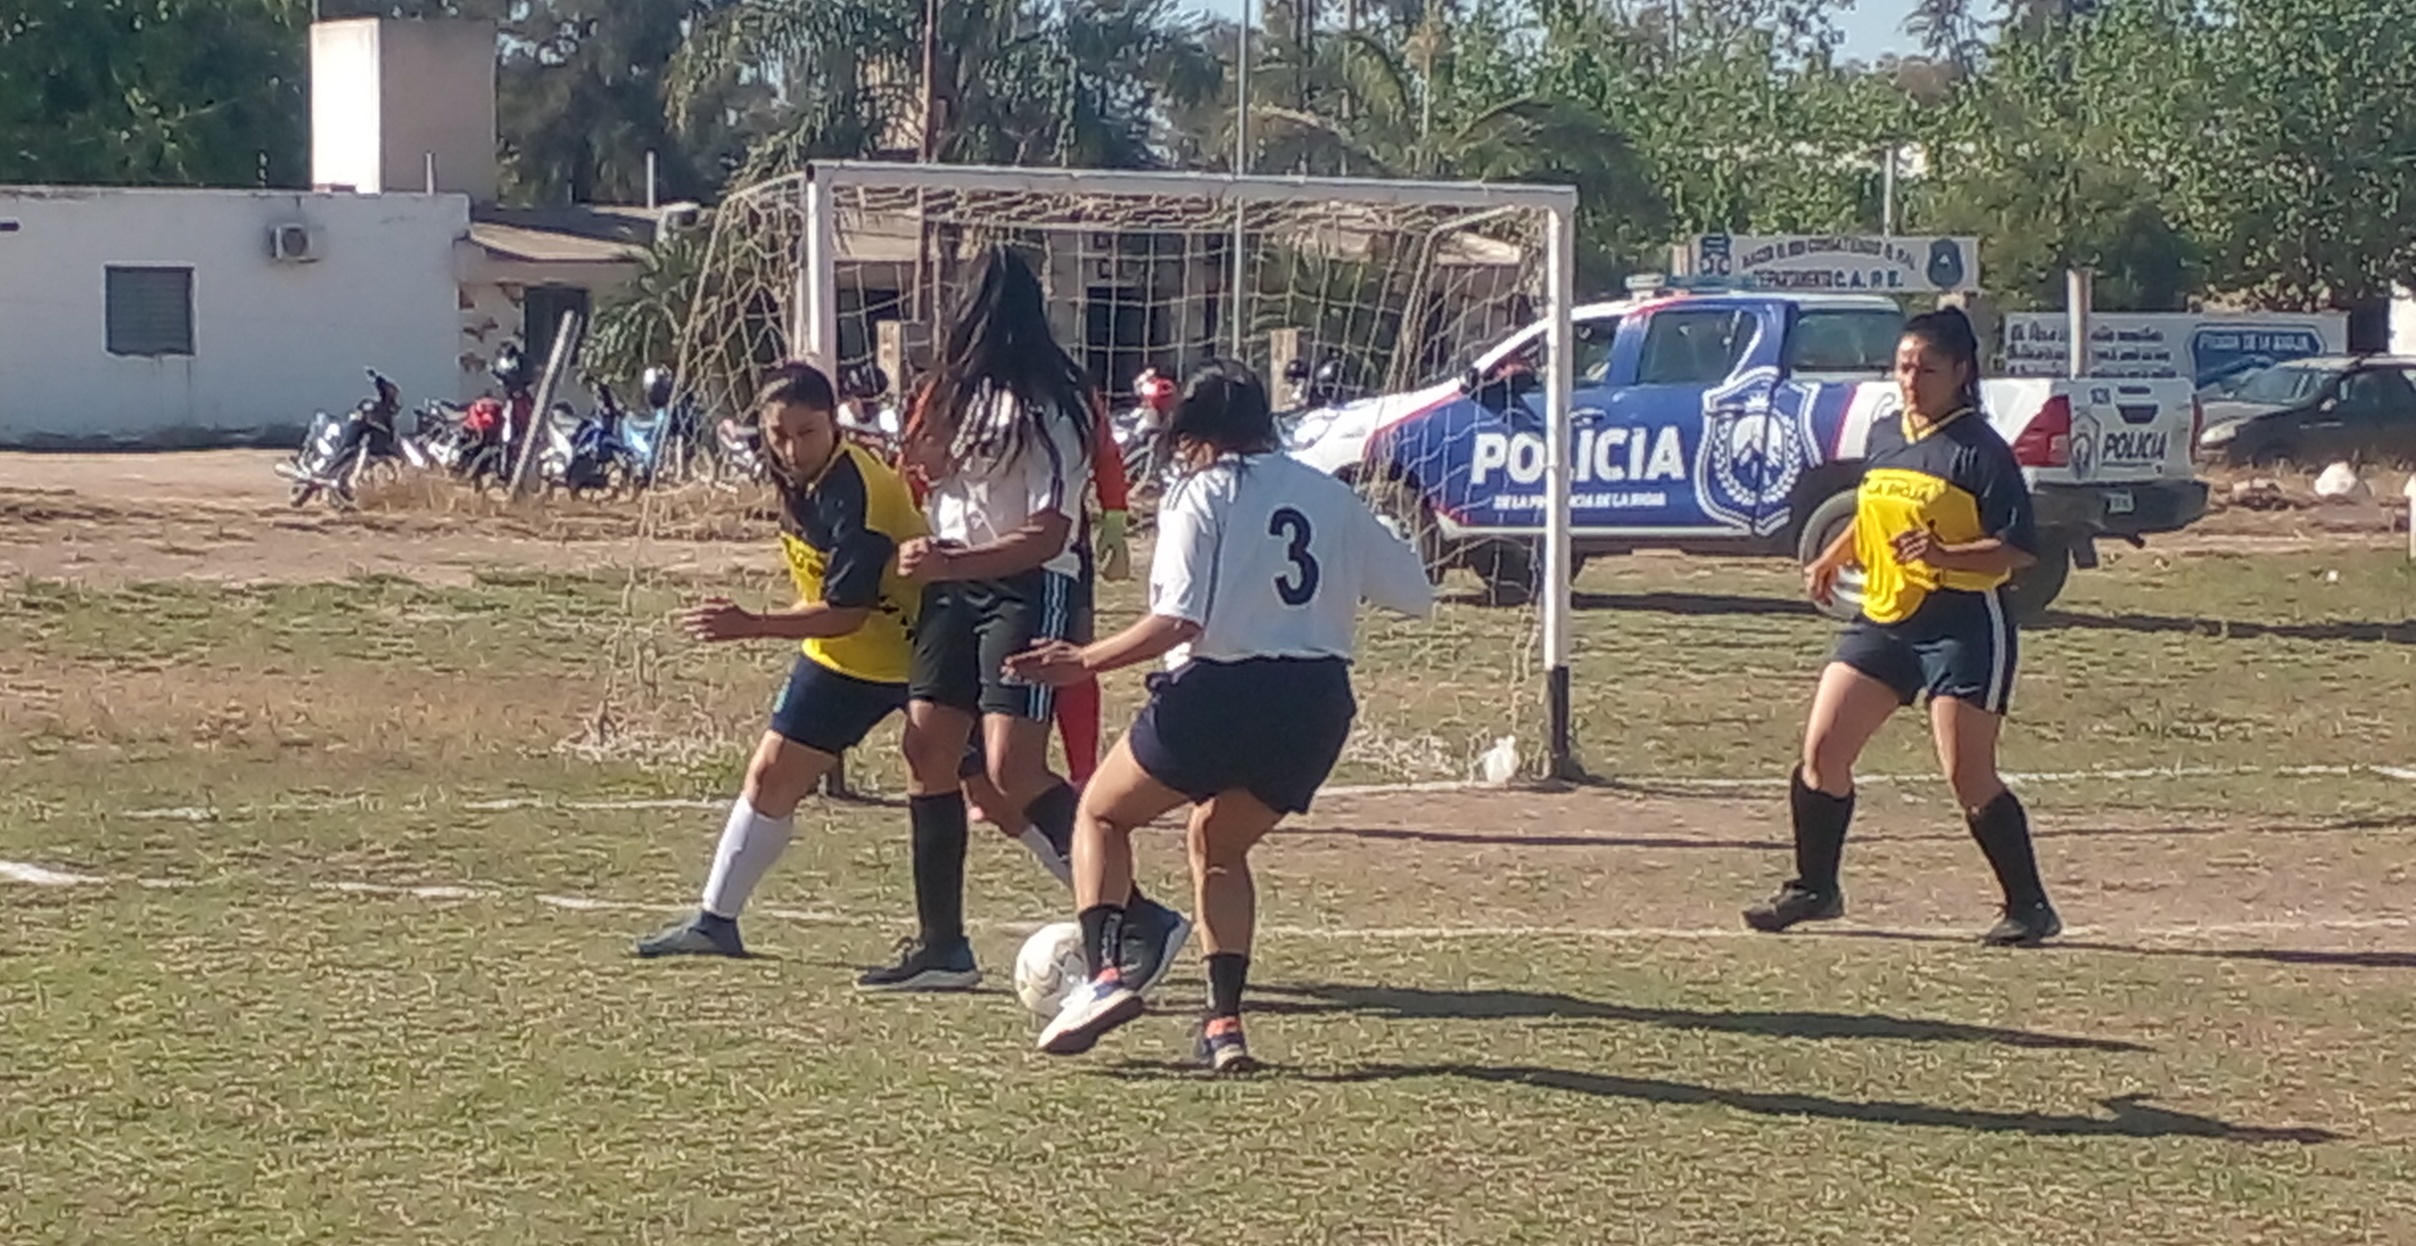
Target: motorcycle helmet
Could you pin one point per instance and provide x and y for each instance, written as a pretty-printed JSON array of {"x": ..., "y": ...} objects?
[
  {"x": 657, "y": 386},
  {"x": 511, "y": 369},
  {"x": 863, "y": 381}
]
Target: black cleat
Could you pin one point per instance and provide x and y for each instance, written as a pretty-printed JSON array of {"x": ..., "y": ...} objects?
[
  {"x": 695, "y": 937},
  {"x": 1153, "y": 934},
  {"x": 1795, "y": 903},
  {"x": 921, "y": 968},
  {"x": 2025, "y": 925}
]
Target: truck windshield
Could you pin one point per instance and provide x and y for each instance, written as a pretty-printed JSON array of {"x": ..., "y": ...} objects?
[
  {"x": 2283, "y": 386},
  {"x": 1844, "y": 341}
]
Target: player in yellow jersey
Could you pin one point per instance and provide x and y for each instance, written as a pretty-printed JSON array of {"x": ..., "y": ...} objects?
[
  {"x": 843, "y": 514},
  {"x": 1941, "y": 523}
]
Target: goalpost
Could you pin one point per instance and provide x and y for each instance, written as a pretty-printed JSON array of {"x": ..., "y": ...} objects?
[{"x": 1386, "y": 286}]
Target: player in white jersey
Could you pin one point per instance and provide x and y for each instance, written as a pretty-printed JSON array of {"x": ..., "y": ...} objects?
[
  {"x": 1004, "y": 436},
  {"x": 1261, "y": 564}
]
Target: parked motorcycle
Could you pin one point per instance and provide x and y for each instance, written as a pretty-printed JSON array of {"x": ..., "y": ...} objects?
[{"x": 339, "y": 452}]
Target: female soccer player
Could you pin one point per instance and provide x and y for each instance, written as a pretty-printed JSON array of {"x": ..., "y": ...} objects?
[
  {"x": 843, "y": 515},
  {"x": 1260, "y": 567},
  {"x": 1941, "y": 523},
  {"x": 1005, "y": 437}
]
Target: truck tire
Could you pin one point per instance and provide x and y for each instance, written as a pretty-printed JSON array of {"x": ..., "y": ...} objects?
[
  {"x": 1821, "y": 527},
  {"x": 1513, "y": 575},
  {"x": 2035, "y": 587}
]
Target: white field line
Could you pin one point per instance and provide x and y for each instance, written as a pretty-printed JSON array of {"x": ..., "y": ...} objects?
[
  {"x": 318, "y": 804},
  {"x": 2192, "y": 932}
]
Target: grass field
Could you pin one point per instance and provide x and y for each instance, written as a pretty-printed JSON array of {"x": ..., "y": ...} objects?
[{"x": 327, "y": 942}]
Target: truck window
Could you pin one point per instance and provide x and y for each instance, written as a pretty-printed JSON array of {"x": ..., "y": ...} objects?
[
  {"x": 1694, "y": 346},
  {"x": 1844, "y": 341}
]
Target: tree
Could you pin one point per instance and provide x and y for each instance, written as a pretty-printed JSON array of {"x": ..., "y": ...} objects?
[
  {"x": 2304, "y": 177},
  {"x": 1084, "y": 82},
  {"x": 154, "y": 92}
]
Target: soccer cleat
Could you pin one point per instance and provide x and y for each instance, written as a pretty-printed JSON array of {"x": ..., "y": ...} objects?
[
  {"x": 1795, "y": 903},
  {"x": 921, "y": 968},
  {"x": 1095, "y": 1007},
  {"x": 1221, "y": 1047},
  {"x": 2025, "y": 925},
  {"x": 1153, "y": 935},
  {"x": 694, "y": 937}
]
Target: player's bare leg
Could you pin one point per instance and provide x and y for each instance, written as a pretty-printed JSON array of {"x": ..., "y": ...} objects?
[
  {"x": 1120, "y": 797},
  {"x": 1223, "y": 830}
]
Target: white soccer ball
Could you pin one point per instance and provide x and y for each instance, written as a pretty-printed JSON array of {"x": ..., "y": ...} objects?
[{"x": 1049, "y": 967}]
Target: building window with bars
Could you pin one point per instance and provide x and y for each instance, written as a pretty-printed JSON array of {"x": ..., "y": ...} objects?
[{"x": 150, "y": 311}]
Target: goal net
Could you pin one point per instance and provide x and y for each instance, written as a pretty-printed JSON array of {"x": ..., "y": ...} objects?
[{"x": 1332, "y": 290}]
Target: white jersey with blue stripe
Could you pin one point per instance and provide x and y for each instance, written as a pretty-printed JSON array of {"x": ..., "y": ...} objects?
[{"x": 1271, "y": 558}]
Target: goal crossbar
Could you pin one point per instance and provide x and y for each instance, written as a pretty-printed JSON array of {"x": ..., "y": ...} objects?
[{"x": 1227, "y": 187}]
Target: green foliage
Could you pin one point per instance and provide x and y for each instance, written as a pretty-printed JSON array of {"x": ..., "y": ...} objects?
[
  {"x": 2264, "y": 148},
  {"x": 153, "y": 92},
  {"x": 637, "y": 326}
]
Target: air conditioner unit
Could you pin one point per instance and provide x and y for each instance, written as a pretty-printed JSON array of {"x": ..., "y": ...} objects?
[{"x": 293, "y": 244}]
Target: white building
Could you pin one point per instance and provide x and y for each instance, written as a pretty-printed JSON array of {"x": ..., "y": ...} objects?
[
  {"x": 187, "y": 317},
  {"x": 164, "y": 318}
]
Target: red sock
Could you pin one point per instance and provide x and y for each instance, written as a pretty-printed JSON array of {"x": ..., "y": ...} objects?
[{"x": 1078, "y": 727}]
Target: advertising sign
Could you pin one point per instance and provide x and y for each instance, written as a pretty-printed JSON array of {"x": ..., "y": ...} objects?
[
  {"x": 1842, "y": 263},
  {"x": 2206, "y": 348}
]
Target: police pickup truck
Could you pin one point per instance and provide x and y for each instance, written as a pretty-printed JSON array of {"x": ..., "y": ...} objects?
[{"x": 1733, "y": 423}]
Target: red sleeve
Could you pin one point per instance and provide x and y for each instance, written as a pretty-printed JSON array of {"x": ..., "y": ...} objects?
[{"x": 1107, "y": 464}]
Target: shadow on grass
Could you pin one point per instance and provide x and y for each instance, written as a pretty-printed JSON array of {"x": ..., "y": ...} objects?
[
  {"x": 2399, "y": 633},
  {"x": 2132, "y": 1115},
  {"x": 1696, "y": 604},
  {"x": 2276, "y": 956},
  {"x": 1416, "y": 1003}
]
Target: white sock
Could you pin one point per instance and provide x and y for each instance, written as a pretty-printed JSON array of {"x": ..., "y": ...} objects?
[
  {"x": 750, "y": 843},
  {"x": 1050, "y": 859}
]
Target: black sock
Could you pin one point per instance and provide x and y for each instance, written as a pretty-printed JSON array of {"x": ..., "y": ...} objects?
[
  {"x": 714, "y": 923},
  {"x": 1053, "y": 813},
  {"x": 1226, "y": 973},
  {"x": 939, "y": 866},
  {"x": 1820, "y": 833},
  {"x": 2003, "y": 829},
  {"x": 1102, "y": 936}
]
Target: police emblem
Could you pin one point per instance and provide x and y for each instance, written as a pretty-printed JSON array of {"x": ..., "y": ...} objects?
[{"x": 1752, "y": 454}]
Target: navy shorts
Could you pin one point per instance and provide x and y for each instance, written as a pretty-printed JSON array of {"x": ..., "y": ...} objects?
[
  {"x": 969, "y": 628},
  {"x": 1273, "y": 727},
  {"x": 830, "y": 712},
  {"x": 1958, "y": 645}
]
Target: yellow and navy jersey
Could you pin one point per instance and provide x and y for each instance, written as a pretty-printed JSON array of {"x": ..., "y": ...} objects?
[
  {"x": 841, "y": 538},
  {"x": 1957, "y": 478}
]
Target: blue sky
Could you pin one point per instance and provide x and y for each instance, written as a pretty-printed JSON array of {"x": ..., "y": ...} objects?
[{"x": 1872, "y": 29}]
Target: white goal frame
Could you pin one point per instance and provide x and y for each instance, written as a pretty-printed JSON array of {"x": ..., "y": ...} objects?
[{"x": 815, "y": 308}]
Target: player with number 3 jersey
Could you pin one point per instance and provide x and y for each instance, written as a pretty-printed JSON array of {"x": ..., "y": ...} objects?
[{"x": 1261, "y": 564}]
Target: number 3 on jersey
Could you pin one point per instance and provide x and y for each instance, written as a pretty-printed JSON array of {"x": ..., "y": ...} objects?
[{"x": 1298, "y": 586}]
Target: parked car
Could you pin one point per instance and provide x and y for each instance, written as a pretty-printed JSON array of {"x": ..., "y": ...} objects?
[
  {"x": 2317, "y": 411},
  {"x": 1733, "y": 422}
]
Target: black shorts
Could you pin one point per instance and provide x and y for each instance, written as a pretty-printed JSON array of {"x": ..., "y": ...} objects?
[
  {"x": 969, "y": 628},
  {"x": 830, "y": 712},
  {"x": 1959, "y": 645},
  {"x": 1273, "y": 727}
]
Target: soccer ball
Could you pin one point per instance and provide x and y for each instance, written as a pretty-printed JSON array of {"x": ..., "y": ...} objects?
[{"x": 1049, "y": 967}]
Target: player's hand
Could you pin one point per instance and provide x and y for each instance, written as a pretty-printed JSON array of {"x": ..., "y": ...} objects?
[
  {"x": 923, "y": 559},
  {"x": 1114, "y": 546},
  {"x": 1820, "y": 580},
  {"x": 718, "y": 619},
  {"x": 1918, "y": 545},
  {"x": 1053, "y": 662}
]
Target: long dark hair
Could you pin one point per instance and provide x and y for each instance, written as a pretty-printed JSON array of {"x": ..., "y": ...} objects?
[
  {"x": 1000, "y": 343},
  {"x": 1948, "y": 331},
  {"x": 1224, "y": 408}
]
